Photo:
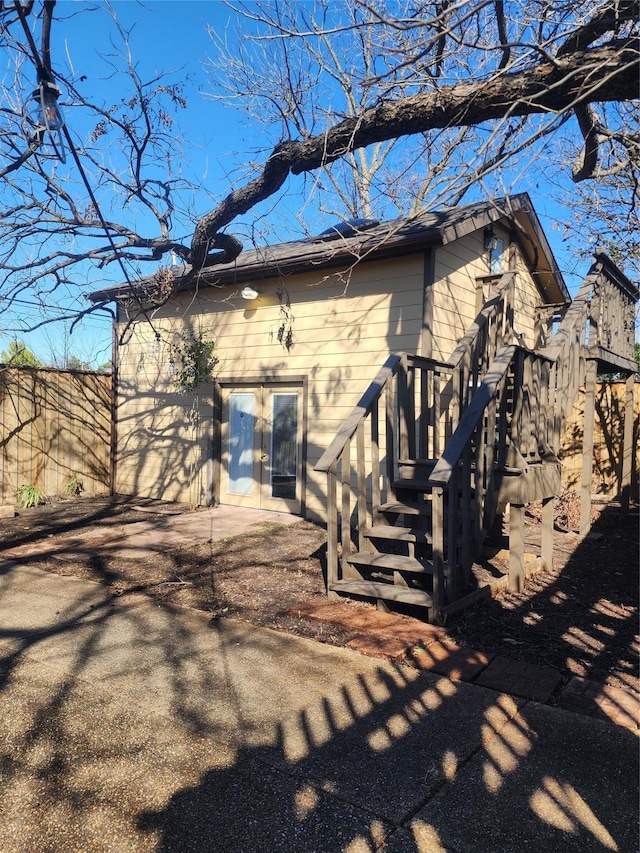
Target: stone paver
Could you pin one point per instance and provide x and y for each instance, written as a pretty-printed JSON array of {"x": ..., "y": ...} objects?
[
  {"x": 428, "y": 648},
  {"x": 520, "y": 679},
  {"x": 599, "y": 700},
  {"x": 441, "y": 656},
  {"x": 456, "y": 662},
  {"x": 390, "y": 648}
]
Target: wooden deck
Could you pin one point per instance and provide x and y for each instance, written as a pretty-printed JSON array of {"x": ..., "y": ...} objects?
[{"x": 434, "y": 450}]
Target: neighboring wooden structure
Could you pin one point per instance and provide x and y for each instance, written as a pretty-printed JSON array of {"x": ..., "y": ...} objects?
[
  {"x": 483, "y": 357},
  {"x": 506, "y": 410},
  {"x": 54, "y": 424},
  {"x": 608, "y": 440}
]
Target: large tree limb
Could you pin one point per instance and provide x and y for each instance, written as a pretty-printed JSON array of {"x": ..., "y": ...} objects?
[
  {"x": 607, "y": 21},
  {"x": 608, "y": 72},
  {"x": 206, "y": 235},
  {"x": 589, "y": 156}
]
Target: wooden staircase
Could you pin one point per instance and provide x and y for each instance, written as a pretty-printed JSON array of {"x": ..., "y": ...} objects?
[
  {"x": 398, "y": 547},
  {"x": 434, "y": 449}
]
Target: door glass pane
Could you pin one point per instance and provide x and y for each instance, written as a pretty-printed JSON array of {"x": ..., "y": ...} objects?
[
  {"x": 241, "y": 431},
  {"x": 284, "y": 445}
]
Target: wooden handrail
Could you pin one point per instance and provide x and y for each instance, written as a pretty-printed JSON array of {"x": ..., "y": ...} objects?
[
  {"x": 481, "y": 320},
  {"x": 574, "y": 315},
  {"x": 373, "y": 392},
  {"x": 492, "y": 400},
  {"x": 473, "y": 414},
  {"x": 365, "y": 405},
  {"x": 447, "y": 463}
]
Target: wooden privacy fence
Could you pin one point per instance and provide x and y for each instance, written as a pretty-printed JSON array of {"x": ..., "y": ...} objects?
[
  {"x": 608, "y": 432},
  {"x": 54, "y": 424}
]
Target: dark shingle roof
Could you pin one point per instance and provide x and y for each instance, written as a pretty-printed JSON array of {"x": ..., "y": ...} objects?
[{"x": 369, "y": 242}]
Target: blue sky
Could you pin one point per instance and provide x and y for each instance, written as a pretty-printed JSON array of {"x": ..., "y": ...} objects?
[
  {"x": 166, "y": 36},
  {"x": 172, "y": 36}
]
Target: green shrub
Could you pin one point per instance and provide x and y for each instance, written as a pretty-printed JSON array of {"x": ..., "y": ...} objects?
[
  {"x": 29, "y": 495},
  {"x": 194, "y": 361},
  {"x": 74, "y": 486}
]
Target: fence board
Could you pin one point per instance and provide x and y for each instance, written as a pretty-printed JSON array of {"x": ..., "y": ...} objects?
[
  {"x": 55, "y": 424},
  {"x": 608, "y": 432}
]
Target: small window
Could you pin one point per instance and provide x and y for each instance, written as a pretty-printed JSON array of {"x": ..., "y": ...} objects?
[{"x": 496, "y": 256}]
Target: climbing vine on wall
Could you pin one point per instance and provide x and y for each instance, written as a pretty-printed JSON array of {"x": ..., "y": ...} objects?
[
  {"x": 284, "y": 332},
  {"x": 194, "y": 361}
]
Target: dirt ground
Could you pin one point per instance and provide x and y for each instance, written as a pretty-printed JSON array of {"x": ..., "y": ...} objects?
[{"x": 581, "y": 618}]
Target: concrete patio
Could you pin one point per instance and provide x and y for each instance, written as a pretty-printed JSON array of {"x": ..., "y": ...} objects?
[{"x": 130, "y": 726}]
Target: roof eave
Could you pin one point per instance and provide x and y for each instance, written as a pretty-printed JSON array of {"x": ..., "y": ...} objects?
[
  {"x": 541, "y": 259},
  {"x": 349, "y": 250},
  {"x": 387, "y": 240}
]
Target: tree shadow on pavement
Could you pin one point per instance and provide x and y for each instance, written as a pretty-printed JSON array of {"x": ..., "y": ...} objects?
[
  {"x": 132, "y": 725},
  {"x": 581, "y": 618},
  {"x": 60, "y": 516}
]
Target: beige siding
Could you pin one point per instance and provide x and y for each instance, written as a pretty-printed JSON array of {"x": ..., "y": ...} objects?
[
  {"x": 457, "y": 267},
  {"x": 457, "y": 270},
  {"x": 340, "y": 341},
  {"x": 528, "y": 299},
  {"x": 342, "y": 336}
]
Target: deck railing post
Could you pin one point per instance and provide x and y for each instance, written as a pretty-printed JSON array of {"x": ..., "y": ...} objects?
[
  {"x": 516, "y": 547},
  {"x": 389, "y": 433},
  {"x": 361, "y": 479},
  {"x": 425, "y": 414},
  {"x": 516, "y": 423},
  {"x": 546, "y": 535},
  {"x": 438, "y": 549},
  {"x": 403, "y": 408},
  {"x": 587, "y": 447},
  {"x": 375, "y": 457},
  {"x": 345, "y": 513},
  {"x": 332, "y": 530}
]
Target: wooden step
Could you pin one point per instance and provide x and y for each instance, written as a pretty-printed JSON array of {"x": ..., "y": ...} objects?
[
  {"x": 401, "y": 508},
  {"x": 398, "y": 534},
  {"x": 509, "y": 472},
  {"x": 416, "y": 469},
  {"x": 418, "y": 463},
  {"x": 386, "y": 591},
  {"x": 390, "y": 562},
  {"x": 413, "y": 484}
]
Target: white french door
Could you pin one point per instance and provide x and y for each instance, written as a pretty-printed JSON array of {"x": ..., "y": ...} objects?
[{"x": 261, "y": 447}]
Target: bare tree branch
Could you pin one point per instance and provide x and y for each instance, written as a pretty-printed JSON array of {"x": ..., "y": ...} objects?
[
  {"x": 404, "y": 105},
  {"x": 608, "y": 20},
  {"x": 605, "y": 73}
]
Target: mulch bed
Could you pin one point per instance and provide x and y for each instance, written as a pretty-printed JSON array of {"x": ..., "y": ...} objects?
[{"x": 581, "y": 617}]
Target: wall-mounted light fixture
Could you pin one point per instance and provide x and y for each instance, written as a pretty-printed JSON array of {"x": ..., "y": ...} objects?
[
  {"x": 490, "y": 240},
  {"x": 249, "y": 293}
]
